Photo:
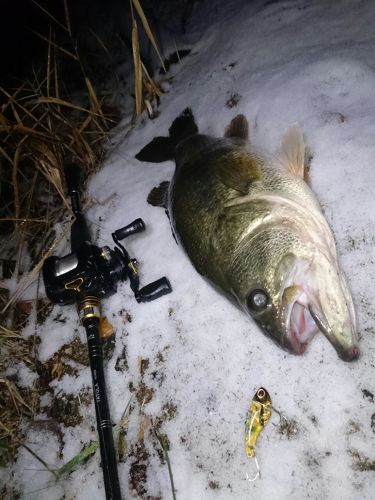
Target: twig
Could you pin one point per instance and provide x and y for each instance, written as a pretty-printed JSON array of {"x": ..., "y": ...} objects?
[
  {"x": 67, "y": 18},
  {"x": 31, "y": 276},
  {"x": 67, "y": 52},
  {"x": 8, "y": 431},
  {"x": 166, "y": 459},
  {"x": 50, "y": 16},
  {"x": 147, "y": 29}
]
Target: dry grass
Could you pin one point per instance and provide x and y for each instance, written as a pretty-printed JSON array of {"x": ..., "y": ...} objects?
[
  {"x": 15, "y": 403},
  {"x": 145, "y": 89},
  {"x": 41, "y": 129},
  {"x": 40, "y": 132}
]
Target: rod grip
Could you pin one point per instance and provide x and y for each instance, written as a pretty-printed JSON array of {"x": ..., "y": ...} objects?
[
  {"x": 103, "y": 417},
  {"x": 72, "y": 177}
]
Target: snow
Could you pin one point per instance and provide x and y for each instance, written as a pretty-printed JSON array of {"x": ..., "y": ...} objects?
[
  {"x": 24, "y": 376},
  {"x": 290, "y": 62}
]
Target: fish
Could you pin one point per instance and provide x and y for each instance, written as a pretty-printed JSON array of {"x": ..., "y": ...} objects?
[{"x": 251, "y": 225}]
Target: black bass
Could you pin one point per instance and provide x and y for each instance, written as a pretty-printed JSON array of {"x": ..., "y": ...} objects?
[{"x": 251, "y": 224}]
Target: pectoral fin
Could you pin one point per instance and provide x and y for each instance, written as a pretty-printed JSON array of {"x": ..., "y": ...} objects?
[{"x": 158, "y": 196}]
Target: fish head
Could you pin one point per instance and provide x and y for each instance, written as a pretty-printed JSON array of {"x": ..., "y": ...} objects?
[
  {"x": 315, "y": 297},
  {"x": 298, "y": 294}
]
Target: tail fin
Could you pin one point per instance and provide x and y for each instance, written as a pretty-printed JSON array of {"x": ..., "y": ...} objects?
[
  {"x": 162, "y": 148},
  {"x": 292, "y": 154},
  {"x": 158, "y": 150}
]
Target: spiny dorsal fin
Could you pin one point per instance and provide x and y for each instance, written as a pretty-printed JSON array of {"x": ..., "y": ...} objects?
[
  {"x": 292, "y": 154},
  {"x": 238, "y": 127},
  {"x": 158, "y": 196}
]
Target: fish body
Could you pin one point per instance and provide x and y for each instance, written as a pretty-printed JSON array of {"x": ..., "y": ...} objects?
[{"x": 251, "y": 225}]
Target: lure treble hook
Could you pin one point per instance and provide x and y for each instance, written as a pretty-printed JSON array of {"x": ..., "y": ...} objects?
[
  {"x": 251, "y": 479},
  {"x": 282, "y": 417}
]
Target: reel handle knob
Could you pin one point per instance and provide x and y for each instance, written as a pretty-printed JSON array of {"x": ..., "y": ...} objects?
[
  {"x": 154, "y": 290},
  {"x": 137, "y": 226}
]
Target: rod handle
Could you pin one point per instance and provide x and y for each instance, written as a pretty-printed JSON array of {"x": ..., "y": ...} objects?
[
  {"x": 103, "y": 417},
  {"x": 72, "y": 177}
]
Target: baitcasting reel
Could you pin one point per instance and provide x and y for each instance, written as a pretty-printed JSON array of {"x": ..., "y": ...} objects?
[{"x": 94, "y": 271}]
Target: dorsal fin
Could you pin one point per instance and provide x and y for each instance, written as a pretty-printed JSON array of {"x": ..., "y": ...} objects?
[
  {"x": 238, "y": 127},
  {"x": 292, "y": 154}
]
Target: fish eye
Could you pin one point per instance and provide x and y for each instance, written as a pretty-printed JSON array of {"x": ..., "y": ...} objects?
[{"x": 257, "y": 300}]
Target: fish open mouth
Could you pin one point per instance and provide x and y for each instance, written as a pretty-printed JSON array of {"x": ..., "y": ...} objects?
[
  {"x": 304, "y": 319},
  {"x": 301, "y": 327},
  {"x": 315, "y": 298}
]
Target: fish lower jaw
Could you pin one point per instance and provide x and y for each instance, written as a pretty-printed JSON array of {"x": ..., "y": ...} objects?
[
  {"x": 297, "y": 346},
  {"x": 350, "y": 354}
]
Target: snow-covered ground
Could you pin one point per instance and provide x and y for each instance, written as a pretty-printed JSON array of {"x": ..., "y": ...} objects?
[{"x": 281, "y": 64}]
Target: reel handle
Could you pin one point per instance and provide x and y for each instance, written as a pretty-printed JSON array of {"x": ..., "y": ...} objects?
[
  {"x": 137, "y": 226},
  {"x": 154, "y": 290}
]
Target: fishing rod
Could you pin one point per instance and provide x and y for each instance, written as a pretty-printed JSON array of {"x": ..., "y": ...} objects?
[{"x": 85, "y": 276}]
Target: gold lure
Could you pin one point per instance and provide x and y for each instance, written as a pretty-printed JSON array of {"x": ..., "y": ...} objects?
[{"x": 257, "y": 418}]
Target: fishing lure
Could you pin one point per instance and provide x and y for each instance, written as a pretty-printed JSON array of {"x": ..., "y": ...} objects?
[{"x": 257, "y": 418}]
